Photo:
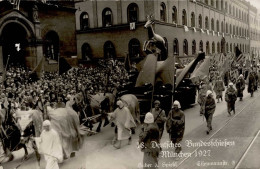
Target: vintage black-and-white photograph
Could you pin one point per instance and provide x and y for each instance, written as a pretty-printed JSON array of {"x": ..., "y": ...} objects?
[{"x": 129, "y": 84}]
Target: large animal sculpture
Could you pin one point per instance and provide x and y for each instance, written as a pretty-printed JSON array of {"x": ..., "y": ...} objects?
[{"x": 154, "y": 39}]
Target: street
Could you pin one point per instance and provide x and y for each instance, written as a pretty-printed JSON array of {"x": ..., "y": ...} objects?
[{"x": 233, "y": 143}]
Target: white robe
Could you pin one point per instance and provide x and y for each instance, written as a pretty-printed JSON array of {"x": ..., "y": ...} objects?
[
  {"x": 50, "y": 146},
  {"x": 124, "y": 121}
]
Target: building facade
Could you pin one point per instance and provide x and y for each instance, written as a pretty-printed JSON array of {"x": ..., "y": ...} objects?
[
  {"x": 32, "y": 30},
  {"x": 116, "y": 28}
]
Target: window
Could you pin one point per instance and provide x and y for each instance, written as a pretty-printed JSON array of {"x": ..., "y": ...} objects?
[
  {"x": 107, "y": 17},
  {"x": 201, "y": 46},
  {"x": 217, "y": 5},
  {"x": 163, "y": 12},
  {"x": 84, "y": 21},
  {"x": 200, "y": 21},
  {"x": 185, "y": 47},
  {"x": 134, "y": 48},
  {"x": 233, "y": 11},
  {"x": 226, "y": 27},
  {"x": 230, "y": 29},
  {"x": 222, "y": 26},
  {"x": 207, "y": 47},
  {"x": 230, "y": 48},
  {"x": 86, "y": 52},
  {"x": 175, "y": 46},
  {"x": 109, "y": 50},
  {"x": 193, "y": 47},
  {"x": 184, "y": 17},
  {"x": 227, "y": 50},
  {"x": 192, "y": 19},
  {"x": 217, "y": 26},
  {"x": 218, "y": 47},
  {"x": 213, "y": 47},
  {"x": 206, "y": 2},
  {"x": 226, "y": 6},
  {"x": 212, "y": 24},
  {"x": 234, "y": 30},
  {"x": 132, "y": 13},
  {"x": 174, "y": 14},
  {"x": 212, "y": 3},
  {"x": 51, "y": 45},
  {"x": 222, "y": 5},
  {"x": 206, "y": 23},
  {"x": 229, "y": 9}
]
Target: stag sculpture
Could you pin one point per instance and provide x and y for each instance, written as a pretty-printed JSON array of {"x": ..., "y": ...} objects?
[{"x": 154, "y": 38}]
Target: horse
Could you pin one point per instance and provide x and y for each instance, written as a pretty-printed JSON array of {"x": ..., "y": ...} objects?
[
  {"x": 100, "y": 105},
  {"x": 132, "y": 103},
  {"x": 17, "y": 132},
  {"x": 154, "y": 38}
]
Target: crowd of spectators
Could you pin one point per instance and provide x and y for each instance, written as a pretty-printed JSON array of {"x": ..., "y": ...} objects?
[{"x": 20, "y": 90}]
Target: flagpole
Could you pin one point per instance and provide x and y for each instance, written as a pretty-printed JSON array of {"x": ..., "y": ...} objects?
[{"x": 174, "y": 77}]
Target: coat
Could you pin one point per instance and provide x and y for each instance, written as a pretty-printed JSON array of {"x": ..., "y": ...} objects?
[
  {"x": 219, "y": 88},
  {"x": 210, "y": 106},
  {"x": 124, "y": 122},
  {"x": 149, "y": 139},
  {"x": 231, "y": 95},
  {"x": 176, "y": 125},
  {"x": 251, "y": 83},
  {"x": 240, "y": 85}
]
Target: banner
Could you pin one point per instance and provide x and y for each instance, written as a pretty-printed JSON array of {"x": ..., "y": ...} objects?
[
  {"x": 63, "y": 65},
  {"x": 203, "y": 69},
  {"x": 165, "y": 71}
]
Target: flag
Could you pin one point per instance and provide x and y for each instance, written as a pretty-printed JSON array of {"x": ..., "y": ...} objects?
[
  {"x": 186, "y": 29},
  {"x": 189, "y": 68},
  {"x": 63, "y": 65},
  {"x": 127, "y": 62},
  {"x": 165, "y": 71},
  {"x": 147, "y": 74},
  {"x": 194, "y": 29},
  {"x": 203, "y": 69}
]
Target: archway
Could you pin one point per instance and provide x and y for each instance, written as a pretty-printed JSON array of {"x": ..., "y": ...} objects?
[{"x": 14, "y": 38}]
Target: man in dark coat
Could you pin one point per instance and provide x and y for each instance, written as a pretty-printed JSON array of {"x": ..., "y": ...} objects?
[
  {"x": 210, "y": 107},
  {"x": 176, "y": 124},
  {"x": 240, "y": 85},
  {"x": 251, "y": 83},
  {"x": 149, "y": 139},
  {"x": 219, "y": 88},
  {"x": 159, "y": 116},
  {"x": 230, "y": 98}
]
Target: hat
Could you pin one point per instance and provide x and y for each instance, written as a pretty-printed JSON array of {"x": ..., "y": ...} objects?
[
  {"x": 149, "y": 118},
  {"x": 241, "y": 76},
  {"x": 230, "y": 84},
  {"x": 157, "y": 102},
  {"x": 208, "y": 93},
  {"x": 119, "y": 103},
  {"x": 46, "y": 123},
  {"x": 176, "y": 102}
]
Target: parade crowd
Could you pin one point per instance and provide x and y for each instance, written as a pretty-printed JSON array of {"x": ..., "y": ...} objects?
[{"x": 20, "y": 92}]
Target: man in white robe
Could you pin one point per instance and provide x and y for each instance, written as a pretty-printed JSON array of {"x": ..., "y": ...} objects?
[
  {"x": 50, "y": 146},
  {"x": 124, "y": 122}
]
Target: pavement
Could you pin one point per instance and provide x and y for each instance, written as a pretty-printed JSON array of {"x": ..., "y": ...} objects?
[{"x": 98, "y": 153}]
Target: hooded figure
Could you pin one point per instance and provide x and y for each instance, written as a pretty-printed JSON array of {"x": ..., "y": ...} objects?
[
  {"x": 50, "y": 146},
  {"x": 230, "y": 98},
  {"x": 240, "y": 85},
  {"x": 149, "y": 139},
  {"x": 210, "y": 107},
  {"x": 176, "y": 124},
  {"x": 124, "y": 122}
]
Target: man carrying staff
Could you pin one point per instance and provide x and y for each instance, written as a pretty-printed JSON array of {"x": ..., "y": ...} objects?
[{"x": 159, "y": 116}]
